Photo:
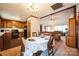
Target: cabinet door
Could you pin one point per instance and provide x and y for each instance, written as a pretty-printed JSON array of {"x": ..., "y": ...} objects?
[
  {"x": 15, "y": 24},
  {"x": 7, "y": 40},
  {"x": 23, "y": 24},
  {"x": 18, "y": 24},
  {"x": 9, "y": 24},
  {"x": 1, "y": 43},
  {"x": 0, "y": 23}
]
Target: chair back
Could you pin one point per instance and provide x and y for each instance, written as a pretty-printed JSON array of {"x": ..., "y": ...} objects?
[
  {"x": 38, "y": 53},
  {"x": 34, "y": 34},
  {"x": 50, "y": 42},
  {"x": 22, "y": 45}
]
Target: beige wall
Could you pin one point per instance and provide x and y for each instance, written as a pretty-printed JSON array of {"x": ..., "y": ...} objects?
[{"x": 35, "y": 26}]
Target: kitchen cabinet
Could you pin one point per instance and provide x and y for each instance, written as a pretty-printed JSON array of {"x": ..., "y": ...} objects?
[
  {"x": 9, "y": 24},
  {"x": 9, "y": 42},
  {"x": 0, "y": 23},
  {"x": 5, "y": 23},
  {"x": 19, "y": 24},
  {"x": 23, "y": 24},
  {"x": 1, "y": 43}
]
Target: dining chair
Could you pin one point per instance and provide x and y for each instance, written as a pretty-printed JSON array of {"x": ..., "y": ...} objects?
[
  {"x": 34, "y": 34},
  {"x": 22, "y": 46},
  {"x": 51, "y": 46},
  {"x": 38, "y": 53}
]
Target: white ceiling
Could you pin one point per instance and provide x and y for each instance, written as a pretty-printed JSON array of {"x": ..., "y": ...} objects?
[{"x": 20, "y": 10}]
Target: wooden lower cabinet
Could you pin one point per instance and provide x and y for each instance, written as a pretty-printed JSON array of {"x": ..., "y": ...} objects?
[
  {"x": 8, "y": 42},
  {"x": 1, "y": 43},
  {"x": 14, "y": 43}
]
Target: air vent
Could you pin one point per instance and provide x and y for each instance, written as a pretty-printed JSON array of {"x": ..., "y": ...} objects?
[{"x": 57, "y": 6}]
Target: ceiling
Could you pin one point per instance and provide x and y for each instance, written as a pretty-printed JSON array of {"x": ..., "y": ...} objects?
[{"x": 21, "y": 11}]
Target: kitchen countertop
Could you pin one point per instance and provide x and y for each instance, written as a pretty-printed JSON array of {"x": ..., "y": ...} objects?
[{"x": 1, "y": 33}]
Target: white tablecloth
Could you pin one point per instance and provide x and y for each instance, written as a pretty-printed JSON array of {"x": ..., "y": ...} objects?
[{"x": 34, "y": 46}]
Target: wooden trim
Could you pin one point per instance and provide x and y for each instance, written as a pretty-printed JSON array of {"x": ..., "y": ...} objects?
[
  {"x": 32, "y": 16},
  {"x": 59, "y": 11}
]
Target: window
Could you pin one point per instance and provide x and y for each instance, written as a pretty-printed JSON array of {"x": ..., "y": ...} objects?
[
  {"x": 63, "y": 28},
  {"x": 46, "y": 28},
  {"x": 60, "y": 28},
  {"x": 43, "y": 29}
]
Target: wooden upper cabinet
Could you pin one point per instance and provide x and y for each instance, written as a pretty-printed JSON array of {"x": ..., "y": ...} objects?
[
  {"x": 23, "y": 24},
  {"x": 0, "y": 23},
  {"x": 9, "y": 24},
  {"x": 5, "y": 23},
  {"x": 15, "y": 24},
  {"x": 19, "y": 24}
]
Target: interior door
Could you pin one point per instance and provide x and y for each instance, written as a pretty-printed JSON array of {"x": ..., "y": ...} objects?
[{"x": 72, "y": 27}]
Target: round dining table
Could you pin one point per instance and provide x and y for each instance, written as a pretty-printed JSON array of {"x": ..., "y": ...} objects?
[{"x": 36, "y": 45}]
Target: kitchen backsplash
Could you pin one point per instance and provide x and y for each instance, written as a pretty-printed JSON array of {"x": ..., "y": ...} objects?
[{"x": 9, "y": 29}]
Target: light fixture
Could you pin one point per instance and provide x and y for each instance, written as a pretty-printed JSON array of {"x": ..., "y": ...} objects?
[
  {"x": 33, "y": 6},
  {"x": 52, "y": 22},
  {"x": 53, "y": 19}
]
